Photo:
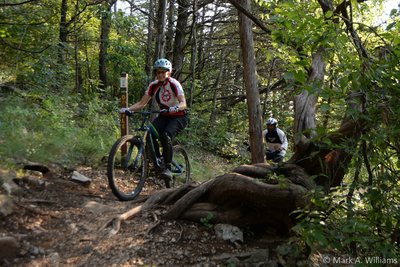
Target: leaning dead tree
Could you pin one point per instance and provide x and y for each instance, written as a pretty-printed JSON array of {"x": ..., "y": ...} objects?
[{"x": 263, "y": 194}]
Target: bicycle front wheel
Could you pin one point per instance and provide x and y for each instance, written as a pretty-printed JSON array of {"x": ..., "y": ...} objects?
[
  {"x": 180, "y": 167},
  {"x": 127, "y": 168}
]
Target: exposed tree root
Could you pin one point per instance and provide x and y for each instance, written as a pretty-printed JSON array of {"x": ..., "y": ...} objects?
[
  {"x": 157, "y": 222},
  {"x": 239, "y": 198},
  {"x": 161, "y": 197}
]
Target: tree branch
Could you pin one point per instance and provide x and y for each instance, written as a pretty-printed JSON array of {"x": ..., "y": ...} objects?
[
  {"x": 17, "y": 4},
  {"x": 2, "y": 41},
  {"x": 250, "y": 16}
]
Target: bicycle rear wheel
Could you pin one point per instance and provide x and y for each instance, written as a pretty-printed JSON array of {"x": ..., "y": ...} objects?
[
  {"x": 127, "y": 168},
  {"x": 180, "y": 167}
]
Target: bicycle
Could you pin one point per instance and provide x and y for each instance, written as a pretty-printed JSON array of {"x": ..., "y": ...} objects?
[{"x": 130, "y": 157}]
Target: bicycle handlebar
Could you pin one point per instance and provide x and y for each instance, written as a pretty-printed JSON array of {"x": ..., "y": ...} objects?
[{"x": 146, "y": 112}]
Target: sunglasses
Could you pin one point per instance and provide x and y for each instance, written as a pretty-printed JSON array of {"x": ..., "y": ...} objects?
[{"x": 161, "y": 71}]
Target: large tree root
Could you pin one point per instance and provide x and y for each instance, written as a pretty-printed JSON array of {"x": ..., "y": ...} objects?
[
  {"x": 236, "y": 198},
  {"x": 162, "y": 197}
]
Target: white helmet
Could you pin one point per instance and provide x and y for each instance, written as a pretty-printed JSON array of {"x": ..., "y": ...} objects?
[
  {"x": 272, "y": 121},
  {"x": 162, "y": 64}
]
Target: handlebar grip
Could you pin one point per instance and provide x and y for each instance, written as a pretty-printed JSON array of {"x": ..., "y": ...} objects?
[{"x": 129, "y": 113}]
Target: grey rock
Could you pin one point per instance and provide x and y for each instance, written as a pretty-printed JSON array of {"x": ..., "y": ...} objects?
[
  {"x": 12, "y": 188},
  {"x": 96, "y": 208},
  {"x": 229, "y": 232},
  {"x": 77, "y": 177},
  {"x": 6, "y": 205}
]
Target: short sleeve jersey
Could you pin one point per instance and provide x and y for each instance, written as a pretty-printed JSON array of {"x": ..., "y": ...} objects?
[
  {"x": 166, "y": 93},
  {"x": 273, "y": 137}
]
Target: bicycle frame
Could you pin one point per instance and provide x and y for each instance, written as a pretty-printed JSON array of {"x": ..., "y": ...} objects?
[{"x": 147, "y": 136}]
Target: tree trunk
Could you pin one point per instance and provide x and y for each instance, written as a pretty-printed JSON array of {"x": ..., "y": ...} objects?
[
  {"x": 104, "y": 37},
  {"x": 250, "y": 81},
  {"x": 179, "y": 43},
  {"x": 63, "y": 31},
  {"x": 326, "y": 164},
  {"x": 170, "y": 30},
  {"x": 150, "y": 36},
  {"x": 160, "y": 41},
  {"x": 213, "y": 115},
  {"x": 193, "y": 60},
  {"x": 305, "y": 102},
  {"x": 78, "y": 68},
  {"x": 204, "y": 47},
  {"x": 88, "y": 70},
  {"x": 200, "y": 48}
]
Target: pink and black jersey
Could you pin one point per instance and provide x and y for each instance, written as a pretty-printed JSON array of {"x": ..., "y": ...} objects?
[{"x": 166, "y": 94}]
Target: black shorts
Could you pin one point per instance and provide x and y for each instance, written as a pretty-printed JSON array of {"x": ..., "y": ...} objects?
[
  {"x": 170, "y": 125},
  {"x": 274, "y": 156}
]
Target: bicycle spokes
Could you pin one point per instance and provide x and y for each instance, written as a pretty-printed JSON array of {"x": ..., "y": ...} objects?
[
  {"x": 136, "y": 157},
  {"x": 180, "y": 167},
  {"x": 127, "y": 168}
]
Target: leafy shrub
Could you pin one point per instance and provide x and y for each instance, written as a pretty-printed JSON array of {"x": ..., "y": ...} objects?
[
  {"x": 335, "y": 224},
  {"x": 227, "y": 136},
  {"x": 63, "y": 129}
]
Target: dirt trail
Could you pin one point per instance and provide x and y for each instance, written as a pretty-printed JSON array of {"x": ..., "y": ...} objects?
[{"x": 61, "y": 223}]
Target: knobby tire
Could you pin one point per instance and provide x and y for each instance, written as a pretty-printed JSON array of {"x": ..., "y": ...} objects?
[
  {"x": 127, "y": 174},
  {"x": 180, "y": 167}
]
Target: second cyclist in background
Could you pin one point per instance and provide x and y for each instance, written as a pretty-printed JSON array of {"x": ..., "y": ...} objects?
[
  {"x": 276, "y": 141},
  {"x": 169, "y": 95}
]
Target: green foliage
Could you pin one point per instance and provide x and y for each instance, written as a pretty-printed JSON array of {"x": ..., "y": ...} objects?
[
  {"x": 226, "y": 136},
  {"x": 206, "y": 221},
  {"x": 126, "y": 54},
  {"x": 50, "y": 128},
  {"x": 355, "y": 228},
  {"x": 205, "y": 165},
  {"x": 28, "y": 32}
]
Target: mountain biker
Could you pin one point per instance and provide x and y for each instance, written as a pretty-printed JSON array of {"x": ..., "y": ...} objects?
[
  {"x": 275, "y": 140},
  {"x": 168, "y": 93}
]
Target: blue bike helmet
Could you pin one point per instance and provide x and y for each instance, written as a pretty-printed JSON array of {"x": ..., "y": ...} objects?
[{"x": 162, "y": 64}]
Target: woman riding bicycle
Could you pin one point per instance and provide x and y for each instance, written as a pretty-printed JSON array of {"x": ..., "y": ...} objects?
[{"x": 169, "y": 95}]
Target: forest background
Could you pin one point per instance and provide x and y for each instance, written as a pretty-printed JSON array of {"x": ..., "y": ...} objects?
[{"x": 60, "y": 70}]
